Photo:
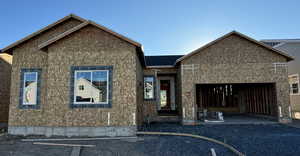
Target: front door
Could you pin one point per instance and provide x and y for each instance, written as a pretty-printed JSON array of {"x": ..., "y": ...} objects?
[{"x": 165, "y": 101}]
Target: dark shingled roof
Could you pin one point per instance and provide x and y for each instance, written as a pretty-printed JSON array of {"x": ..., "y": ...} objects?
[
  {"x": 272, "y": 44},
  {"x": 162, "y": 60}
]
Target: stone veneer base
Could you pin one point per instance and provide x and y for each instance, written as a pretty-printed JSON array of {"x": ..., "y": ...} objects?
[{"x": 73, "y": 131}]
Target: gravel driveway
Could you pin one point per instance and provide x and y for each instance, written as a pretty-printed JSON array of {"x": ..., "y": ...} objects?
[
  {"x": 271, "y": 139},
  {"x": 254, "y": 140},
  {"x": 142, "y": 146}
]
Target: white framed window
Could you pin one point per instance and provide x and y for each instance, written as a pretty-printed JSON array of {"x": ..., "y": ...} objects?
[
  {"x": 91, "y": 87},
  {"x": 30, "y": 88},
  {"x": 149, "y": 89},
  {"x": 81, "y": 87},
  {"x": 294, "y": 84}
]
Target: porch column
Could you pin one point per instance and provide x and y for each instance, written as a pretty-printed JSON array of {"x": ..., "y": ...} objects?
[
  {"x": 188, "y": 94},
  {"x": 283, "y": 102}
]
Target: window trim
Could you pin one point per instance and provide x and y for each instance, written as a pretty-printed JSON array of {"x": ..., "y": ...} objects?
[
  {"x": 75, "y": 69},
  {"x": 291, "y": 85},
  {"x": 22, "y": 104},
  {"x": 107, "y": 86},
  {"x": 154, "y": 88}
]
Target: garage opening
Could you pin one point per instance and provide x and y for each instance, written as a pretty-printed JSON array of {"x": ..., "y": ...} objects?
[{"x": 237, "y": 99}]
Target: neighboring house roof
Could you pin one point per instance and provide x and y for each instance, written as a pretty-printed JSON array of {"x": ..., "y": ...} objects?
[
  {"x": 272, "y": 44},
  {"x": 6, "y": 57},
  {"x": 40, "y": 31},
  {"x": 289, "y": 58},
  {"x": 279, "y": 42},
  {"x": 163, "y": 60}
]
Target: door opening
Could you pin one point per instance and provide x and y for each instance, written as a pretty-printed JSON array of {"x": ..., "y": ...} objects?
[
  {"x": 165, "y": 95},
  {"x": 237, "y": 99},
  {"x": 165, "y": 98}
]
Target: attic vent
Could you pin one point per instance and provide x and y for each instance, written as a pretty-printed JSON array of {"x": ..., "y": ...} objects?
[
  {"x": 280, "y": 65},
  {"x": 189, "y": 67}
]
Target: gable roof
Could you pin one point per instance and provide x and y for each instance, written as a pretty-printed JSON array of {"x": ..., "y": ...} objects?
[
  {"x": 80, "y": 26},
  {"x": 162, "y": 60},
  {"x": 9, "y": 47},
  {"x": 89, "y": 22},
  {"x": 289, "y": 58},
  {"x": 70, "y": 31}
]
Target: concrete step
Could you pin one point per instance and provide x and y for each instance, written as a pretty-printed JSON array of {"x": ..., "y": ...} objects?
[{"x": 166, "y": 119}]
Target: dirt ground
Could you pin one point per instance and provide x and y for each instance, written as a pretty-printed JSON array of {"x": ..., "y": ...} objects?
[{"x": 269, "y": 139}]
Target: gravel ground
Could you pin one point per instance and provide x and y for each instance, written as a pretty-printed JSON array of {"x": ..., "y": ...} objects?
[
  {"x": 267, "y": 140},
  {"x": 155, "y": 146},
  {"x": 271, "y": 139},
  {"x": 142, "y": 146}
]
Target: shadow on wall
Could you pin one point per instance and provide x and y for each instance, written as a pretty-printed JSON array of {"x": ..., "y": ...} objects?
[{"x": 5, "y": 80}]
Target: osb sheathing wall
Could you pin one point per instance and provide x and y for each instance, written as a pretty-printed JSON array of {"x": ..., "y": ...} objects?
[
  {"x": 150, "y": 106},
  {"x": 234, "y": 60},
  {"x": 295, "y": 103},
  {"x": 27, "y": 55},
  {"x": 140, "y": 92},
  {"x": 179, "y": 91},
  {"x": 5, "y": 78},
  {"x": 89, "y": 46}
]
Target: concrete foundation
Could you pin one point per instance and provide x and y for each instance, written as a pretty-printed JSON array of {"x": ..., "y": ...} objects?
[
  {"x": 285, "y": 120},
  {"x": 73, "y": 131},
  {"x": 189, "y": 122}
]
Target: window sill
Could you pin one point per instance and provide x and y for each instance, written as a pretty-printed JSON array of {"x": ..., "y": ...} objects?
[
  {"x": 75, "y": 105},
  {"x": 295, "y": 94},
  {"x": 27, "y": 106},
  {"x": 149, "y": 99}
]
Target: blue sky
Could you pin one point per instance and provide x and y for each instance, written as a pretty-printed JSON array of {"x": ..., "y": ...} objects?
[{"x": 162, "y": 26}]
